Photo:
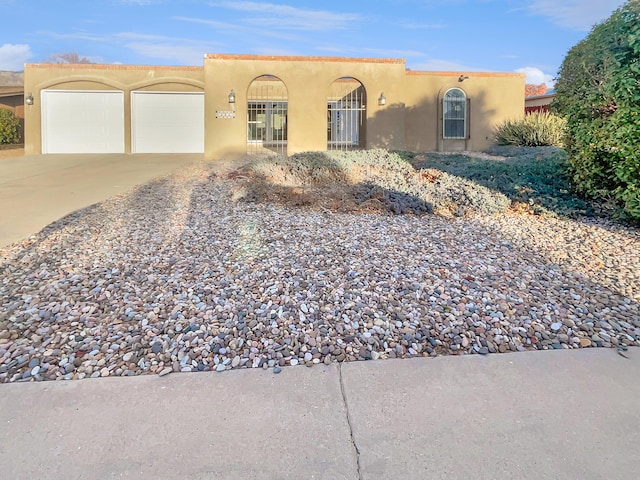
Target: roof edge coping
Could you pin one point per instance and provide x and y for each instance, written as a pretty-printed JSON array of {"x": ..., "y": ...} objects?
[
  {"x": 278, "y": 58},
  {"x": 470, "y": 74},
  {"x": 107, "y": 66}
]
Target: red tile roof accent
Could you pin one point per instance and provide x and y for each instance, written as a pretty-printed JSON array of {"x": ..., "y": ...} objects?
[
  {"x": 224, "y": 56},
  {"x": 98, "y": 66},
  {"x": 470, "y": 74}
]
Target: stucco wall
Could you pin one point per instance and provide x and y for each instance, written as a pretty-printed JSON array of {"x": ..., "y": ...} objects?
[
  {"x": 492, "y": 98},
  {"x": 127, "y": 78},
  {"x": 308, "y": 81},
  {"x": 410, "y": 120}
]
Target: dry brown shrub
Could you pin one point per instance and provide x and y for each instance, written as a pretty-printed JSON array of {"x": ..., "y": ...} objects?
[
  {"x": 430, "y": 174},
  {"x": 362, "y": 181},
  {"x": 522, "y": 208}
]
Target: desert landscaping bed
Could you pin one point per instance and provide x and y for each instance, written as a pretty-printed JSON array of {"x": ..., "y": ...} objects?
[{"x": 178, "y": 275}]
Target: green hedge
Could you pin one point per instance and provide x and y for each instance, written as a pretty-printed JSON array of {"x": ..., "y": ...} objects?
[
  {"x": 9, "y": 127},
  {"x": 598, "y": 92}
]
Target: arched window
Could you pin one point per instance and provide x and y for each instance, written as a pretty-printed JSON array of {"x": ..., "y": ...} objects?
[
  {"x": 346, "y": 115},
  {"x": 454, "y": 108},
  {"x": 267, "y": 113}
]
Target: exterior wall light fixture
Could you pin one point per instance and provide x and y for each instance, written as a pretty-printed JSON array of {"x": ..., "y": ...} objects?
[
  {"x": 382, "y": 100},
  {"x": 232, "y": 97},
  {"x": 462, "y": 78},
  {"x": 28, "y": 99}
]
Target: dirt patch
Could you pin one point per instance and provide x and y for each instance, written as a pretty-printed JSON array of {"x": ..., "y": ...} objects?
[
  {"x": 361, "y": 181},
  {"x": 11, "y": 152},
  {"x": 343, "y": 198}
]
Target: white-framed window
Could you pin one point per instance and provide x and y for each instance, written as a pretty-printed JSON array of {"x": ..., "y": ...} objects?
[{"x": 454, "y": 108}]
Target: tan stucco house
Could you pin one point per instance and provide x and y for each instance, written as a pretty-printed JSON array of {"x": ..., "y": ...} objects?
[{"x": 239, "y": 104}]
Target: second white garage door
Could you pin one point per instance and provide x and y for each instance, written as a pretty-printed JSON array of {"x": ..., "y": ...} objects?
[{"x": 167, "y": 122}]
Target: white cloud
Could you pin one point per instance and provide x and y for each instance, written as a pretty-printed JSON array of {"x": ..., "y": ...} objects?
[
  {"x": 139, "y": 2},
  {"x": 536, "y": 76},
  {"x": 356, "y": 51},
  {"x": 422, "y": 26},
  {"x": 178, "y": 50},
  {"x": 210, "y": 23},
  {"x": 575, "y": 14},
  {"x": 180, "y": 54},
  {"x": 146, "y": 37},
  {"x": 83, "y": 36},
  {"x": 293, "y": 18},
  {"x": 181, "y": 51},
  {"x": 13, "y": 57},
  {"x": 386, "y": 52},
  {"x": 274, "y": 51},
  {"x": 240, "y": 29}
]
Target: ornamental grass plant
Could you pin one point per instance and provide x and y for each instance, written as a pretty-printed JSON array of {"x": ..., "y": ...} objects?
[{"x": 536, "y": 129}]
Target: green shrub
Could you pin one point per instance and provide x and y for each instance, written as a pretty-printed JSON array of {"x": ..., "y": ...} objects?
[
  {"x": 537, "y": 129},
  {"x": 535, "y": 177},
  {"x": 9, "y": 127},
  {"x": 597, "y": 92}
]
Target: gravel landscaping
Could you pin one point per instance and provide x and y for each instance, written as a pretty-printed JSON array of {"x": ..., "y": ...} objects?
[{"x": 177, "y": 276}]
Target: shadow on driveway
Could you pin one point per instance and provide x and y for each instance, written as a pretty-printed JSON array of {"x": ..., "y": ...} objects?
[{"x": 39, "y": 189}]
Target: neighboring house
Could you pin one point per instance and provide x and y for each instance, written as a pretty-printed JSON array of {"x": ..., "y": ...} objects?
[
  {"x": 539, "y": 103},
  {"x": 12, "y": 98},
  {"x": 239, "y": 104}
]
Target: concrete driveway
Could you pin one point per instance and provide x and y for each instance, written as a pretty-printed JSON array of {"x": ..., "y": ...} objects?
[{"x": 36, "y": 190}]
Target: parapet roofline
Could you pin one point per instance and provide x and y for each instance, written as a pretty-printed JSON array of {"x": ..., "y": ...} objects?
[
  {"x": 319, "y": 59},
  {"x": 278, "y": 58},
  {"x": 110, "y": 66}
]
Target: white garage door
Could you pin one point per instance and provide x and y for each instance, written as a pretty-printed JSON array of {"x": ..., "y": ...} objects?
[
  {"x": 167, "y": 122},
  {"x": 82, "y": 121}
]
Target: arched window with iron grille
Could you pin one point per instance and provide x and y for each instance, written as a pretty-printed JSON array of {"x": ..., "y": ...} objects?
[
  {"x": 267, "y": 116},
  {"x": 454, "y": 109},
  {"x": 346, "y": 115}
]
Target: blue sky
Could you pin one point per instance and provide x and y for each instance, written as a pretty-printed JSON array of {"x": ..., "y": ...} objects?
[{"x": 530, "y": 36}]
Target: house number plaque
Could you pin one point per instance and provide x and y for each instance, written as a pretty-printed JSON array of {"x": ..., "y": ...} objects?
[{"x": 225, "y": 114}]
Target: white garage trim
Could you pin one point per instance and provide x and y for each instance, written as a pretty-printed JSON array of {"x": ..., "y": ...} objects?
[
  {"x": 82, "y": 121},
  {"x": 167, "y": 122}
]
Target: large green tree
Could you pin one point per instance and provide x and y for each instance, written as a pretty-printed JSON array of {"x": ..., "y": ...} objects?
[{"x": 598, "y": 92}]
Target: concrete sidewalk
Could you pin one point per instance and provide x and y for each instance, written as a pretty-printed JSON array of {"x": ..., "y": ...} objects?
[
  {"x": 554, "y": 414},
  {"x": 39, "y": 189}
]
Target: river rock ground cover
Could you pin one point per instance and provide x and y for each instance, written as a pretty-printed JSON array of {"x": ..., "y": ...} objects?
[{"x": 178, "y": 275}]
